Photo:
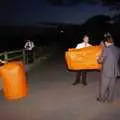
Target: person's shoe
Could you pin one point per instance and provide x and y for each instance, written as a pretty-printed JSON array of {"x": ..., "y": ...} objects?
[
  {"x": 84, "y": 83},
  {"x": 100, "y": 99},
  {"x": 118, "y": 76},
  {"x": 76, "y": 82}
]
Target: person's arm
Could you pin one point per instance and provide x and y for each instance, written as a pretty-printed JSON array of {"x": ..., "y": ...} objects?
[
  {"x": 102, "y": 44},
  {"x": 26, "y": 44},
  {"x": 89, "y": 44},
  {"x": 100, "y": 59},
  {"x": 80, "y": 45},
  {"x": 77, "y": 47},
  {"x": 3, "y": 61},
  {"x": 33, "y": 45}
]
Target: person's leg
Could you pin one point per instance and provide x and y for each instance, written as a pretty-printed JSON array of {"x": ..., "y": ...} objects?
[
  {"x": 99, "y": 89},
  {"x": 30, "y": 56},
  {"x": 111, "y": 90},
  {"x": 103, "y": 93},
  {"x": 27, "y": 56},
  {"x": 84, "y": 78},
  {"x": 77, "y": 79}
]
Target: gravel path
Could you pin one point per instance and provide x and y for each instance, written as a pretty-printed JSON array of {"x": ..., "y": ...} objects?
[{"x": 52, "y": 97}]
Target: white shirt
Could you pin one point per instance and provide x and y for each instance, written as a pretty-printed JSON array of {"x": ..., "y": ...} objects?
[
  {"x": 29, "y": 45},
  {"x": 82, "y": 45}
]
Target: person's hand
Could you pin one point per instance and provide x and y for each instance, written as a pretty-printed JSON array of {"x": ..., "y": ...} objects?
[
  {"x": 97, "y": 57},
  {"x": 3, "y": 61}
]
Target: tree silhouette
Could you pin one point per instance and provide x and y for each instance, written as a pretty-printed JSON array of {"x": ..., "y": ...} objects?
[{"x": 96, "y": 27}]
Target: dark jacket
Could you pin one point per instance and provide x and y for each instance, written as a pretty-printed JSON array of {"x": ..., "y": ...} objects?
[{"x": 110, "y": 61}]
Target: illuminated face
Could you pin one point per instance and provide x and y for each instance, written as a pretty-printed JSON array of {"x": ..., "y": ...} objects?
[{"x": 86, "y": 39}]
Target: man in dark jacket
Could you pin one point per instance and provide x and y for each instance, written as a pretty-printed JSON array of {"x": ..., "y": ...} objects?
[{"x": 110, "y": 70}]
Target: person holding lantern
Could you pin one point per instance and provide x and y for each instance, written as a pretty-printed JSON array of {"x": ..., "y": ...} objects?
[
  {"x": 109, "y": 59},
  {"x": 81, "y": 75}
]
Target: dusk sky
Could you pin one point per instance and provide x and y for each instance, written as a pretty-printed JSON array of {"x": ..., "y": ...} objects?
[{"x": 23, "y": 12}]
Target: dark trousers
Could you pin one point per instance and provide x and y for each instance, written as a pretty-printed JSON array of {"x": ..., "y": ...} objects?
[
  {"x": 81, "y": 77},
  {"x": 106, "y": 88},
  {"x": 29, "y": 54}
]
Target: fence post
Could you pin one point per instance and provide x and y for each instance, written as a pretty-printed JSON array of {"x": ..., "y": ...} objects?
[
  {"x": 24, "y": 56},
  {"x": 6, "y": 56},
  {"x": 34, "y": 54}
]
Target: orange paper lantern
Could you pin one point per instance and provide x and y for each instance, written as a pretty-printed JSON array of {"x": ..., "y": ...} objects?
[
  {"x": 14, "y": 80},
  {"x": 83, "y": 59}
]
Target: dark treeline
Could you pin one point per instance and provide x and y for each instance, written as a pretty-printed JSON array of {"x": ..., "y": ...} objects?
[{"x": 13, "y": 37}]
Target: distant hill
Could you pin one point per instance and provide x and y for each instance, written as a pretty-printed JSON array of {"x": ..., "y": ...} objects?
[{"x": 11, "y": 31}]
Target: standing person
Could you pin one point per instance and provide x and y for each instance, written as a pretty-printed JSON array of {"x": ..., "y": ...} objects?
[
  {"x": 82, "y": 74},
  {"x": 110, "y": 70},
  {"x": 29, "y": 45}
]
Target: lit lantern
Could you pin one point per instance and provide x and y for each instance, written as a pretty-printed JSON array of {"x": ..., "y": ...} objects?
[
  {"x": 83, "y": 59},
  {"x": 14, "y": 80}
]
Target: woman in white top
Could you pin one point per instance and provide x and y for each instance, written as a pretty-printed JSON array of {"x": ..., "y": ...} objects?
[{"x": 82, "y": 74}]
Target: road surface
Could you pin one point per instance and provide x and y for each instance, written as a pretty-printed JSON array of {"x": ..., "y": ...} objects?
[{"x": 52, "y": 97}]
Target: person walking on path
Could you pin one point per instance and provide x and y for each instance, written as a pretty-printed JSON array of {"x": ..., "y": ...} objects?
[{"x": 29, "y": 45}]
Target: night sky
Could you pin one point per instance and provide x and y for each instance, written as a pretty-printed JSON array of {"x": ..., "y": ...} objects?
[{"x": 24, "y": 12}]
